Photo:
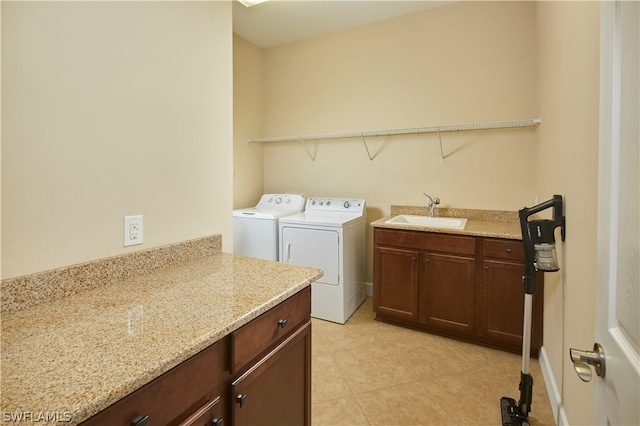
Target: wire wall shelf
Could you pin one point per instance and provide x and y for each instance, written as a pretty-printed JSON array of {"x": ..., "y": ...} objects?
[{"x": 514, "y": 124}]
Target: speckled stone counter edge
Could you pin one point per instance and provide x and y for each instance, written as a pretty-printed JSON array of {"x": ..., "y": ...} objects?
[
  {"x": 472, "y": 214},
  {"x": 28, "y": 290},
  {"x": 482, "y": 223},
  {"x": 87, "y": 357}
]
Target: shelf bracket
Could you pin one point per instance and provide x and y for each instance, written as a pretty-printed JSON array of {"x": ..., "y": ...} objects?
[
  {"x": 441, "y": 151},
  {"x": 306, "y": 148},
  {"x": 364, "y": 141}
]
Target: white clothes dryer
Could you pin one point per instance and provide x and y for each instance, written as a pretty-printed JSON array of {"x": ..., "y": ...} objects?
[
  {"x": 255, "y": 229},
  {"x": 330, "y": 235}
]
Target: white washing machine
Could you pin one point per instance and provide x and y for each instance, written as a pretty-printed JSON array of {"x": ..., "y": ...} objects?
[
  {"x": 255, "y": 229},
  {"x": 330, "y": 235}
]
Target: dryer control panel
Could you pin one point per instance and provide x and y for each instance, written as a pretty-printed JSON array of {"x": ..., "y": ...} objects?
[{"x": 327, "y": 204}]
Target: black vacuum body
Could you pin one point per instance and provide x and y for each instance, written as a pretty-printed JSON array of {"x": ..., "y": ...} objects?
[{"x": 539, "y": 250}]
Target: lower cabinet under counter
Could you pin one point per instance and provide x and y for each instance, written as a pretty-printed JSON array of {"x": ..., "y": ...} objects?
[
  {"x": 193, "y": 390},
  {"x": 274, "y": 391},
  {"x": 460, "y": 286},
  {"x": 270, "y": 383}
]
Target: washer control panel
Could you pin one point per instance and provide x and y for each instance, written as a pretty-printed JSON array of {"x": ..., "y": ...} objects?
[
  {"x": 281, "y": 202},
  {"x": 346, "y": 205}
]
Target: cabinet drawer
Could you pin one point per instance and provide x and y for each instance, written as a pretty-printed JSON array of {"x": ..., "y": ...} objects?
[
  {"x": 503, "y": 249},
  {"x": 207, "y": 415},
  {"x": 276, "y": 390},
  {"x": 172, "y": 397},
  {"x": 254, "y": 338},
  {"x": 422, "y": 240}
]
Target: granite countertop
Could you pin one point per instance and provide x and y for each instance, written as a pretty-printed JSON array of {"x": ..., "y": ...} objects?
[
  {"x": 483, "y": 223},
  {"x": 77, "y": 355}
]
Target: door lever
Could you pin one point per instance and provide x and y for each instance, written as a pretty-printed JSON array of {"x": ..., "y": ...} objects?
[{"x": 583, "y": 360}]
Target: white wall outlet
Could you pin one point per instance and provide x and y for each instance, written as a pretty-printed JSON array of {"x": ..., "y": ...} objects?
[{"x": 132, "y": 230}]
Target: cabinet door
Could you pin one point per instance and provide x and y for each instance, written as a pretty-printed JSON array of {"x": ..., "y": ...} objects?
[
  {"x": 277, "y": 389},
  {"x": 395, "y": 283},
  {"x": 447, "y": 297},
  {"x": 503, "y": 300},
  {"x": 503, "y": 304}
]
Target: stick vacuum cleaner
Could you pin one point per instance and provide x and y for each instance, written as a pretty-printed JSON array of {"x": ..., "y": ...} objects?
[{"x": 539, "y": 250}]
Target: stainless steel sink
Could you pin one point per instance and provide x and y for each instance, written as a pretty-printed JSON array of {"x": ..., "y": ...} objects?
[{"x": 429, "y": 222}]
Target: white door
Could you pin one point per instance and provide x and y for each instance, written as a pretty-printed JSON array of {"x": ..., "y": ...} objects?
[
  {"x": 317, "y": 248},
  {"x": 617, "y": 395}
]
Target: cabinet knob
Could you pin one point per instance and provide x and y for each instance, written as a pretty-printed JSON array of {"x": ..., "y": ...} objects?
[
  {"x": 217, "y": 422},
  {"x": 509, "y": 251},
  {"x": 282, "y": 323},
  {"x": 486, "y": 268},
  {"x": 140, "y": 421},
  {"x": 241, "y": 399}
]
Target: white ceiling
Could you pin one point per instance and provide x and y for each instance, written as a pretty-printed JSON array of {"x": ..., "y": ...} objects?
[{"x": 283, "y": 21}]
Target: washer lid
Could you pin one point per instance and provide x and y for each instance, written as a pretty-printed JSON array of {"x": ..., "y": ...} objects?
[{"x": 253, "y": 213}]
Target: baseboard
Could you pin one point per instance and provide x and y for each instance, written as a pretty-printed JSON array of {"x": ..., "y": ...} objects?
[
  {"x": 563, "y": 418},
  {"x": 553, "y": 390},
  {"x": 369, "y": 288}
]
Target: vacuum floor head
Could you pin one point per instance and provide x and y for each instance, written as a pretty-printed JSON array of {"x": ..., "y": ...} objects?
[{"x": 511, "y": 414}]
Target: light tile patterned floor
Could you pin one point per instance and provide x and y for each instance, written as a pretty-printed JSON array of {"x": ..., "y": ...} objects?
[{"x": 369, "y": 373}]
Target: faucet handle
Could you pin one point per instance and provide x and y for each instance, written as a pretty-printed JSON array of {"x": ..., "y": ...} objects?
[{"x": 435, "y": 200}]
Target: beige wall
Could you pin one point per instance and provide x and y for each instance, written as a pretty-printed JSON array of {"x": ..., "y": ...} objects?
[
  {"x": 112, "y": 109},
  {"x": 567, "y": 163},
  {"x": 248, "y": 88},
  {"x": 464, "y": 63},
  {"x": 468, "y": 62}
]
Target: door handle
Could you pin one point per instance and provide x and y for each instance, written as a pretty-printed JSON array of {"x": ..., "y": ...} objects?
[
  {"x": 288, "y": 252},
  {"x": 584, "y": 360}
]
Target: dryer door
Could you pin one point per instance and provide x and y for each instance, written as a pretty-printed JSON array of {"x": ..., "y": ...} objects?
[{"x": 317, "y": 248}]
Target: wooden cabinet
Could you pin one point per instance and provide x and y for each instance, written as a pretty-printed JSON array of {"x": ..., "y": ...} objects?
[
  {"x": 425, "y": 279},
  {"x": 503, "y": 295},
  {"x": 275, "y": 390},
  {"x": 207, "y": 415},
  {"x": 193, "y": 387},
  {"x": 260, "y": 374},
  {"x": 253, "y": 339},
  {"x": 448, "y": 292},
  {"x": 273, "y": 378},
  {"x": 398, "y": 270},
  {"x": 460, "y": 286}
]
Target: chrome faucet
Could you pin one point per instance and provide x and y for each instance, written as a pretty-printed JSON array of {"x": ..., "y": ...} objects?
[{"x": 433, "y": 202}]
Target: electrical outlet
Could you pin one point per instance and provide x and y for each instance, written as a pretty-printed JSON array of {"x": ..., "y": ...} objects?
[{"x": 132, "y": 230}]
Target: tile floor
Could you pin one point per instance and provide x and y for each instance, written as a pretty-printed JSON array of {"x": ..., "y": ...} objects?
[{"x": 369, "y": 373}]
